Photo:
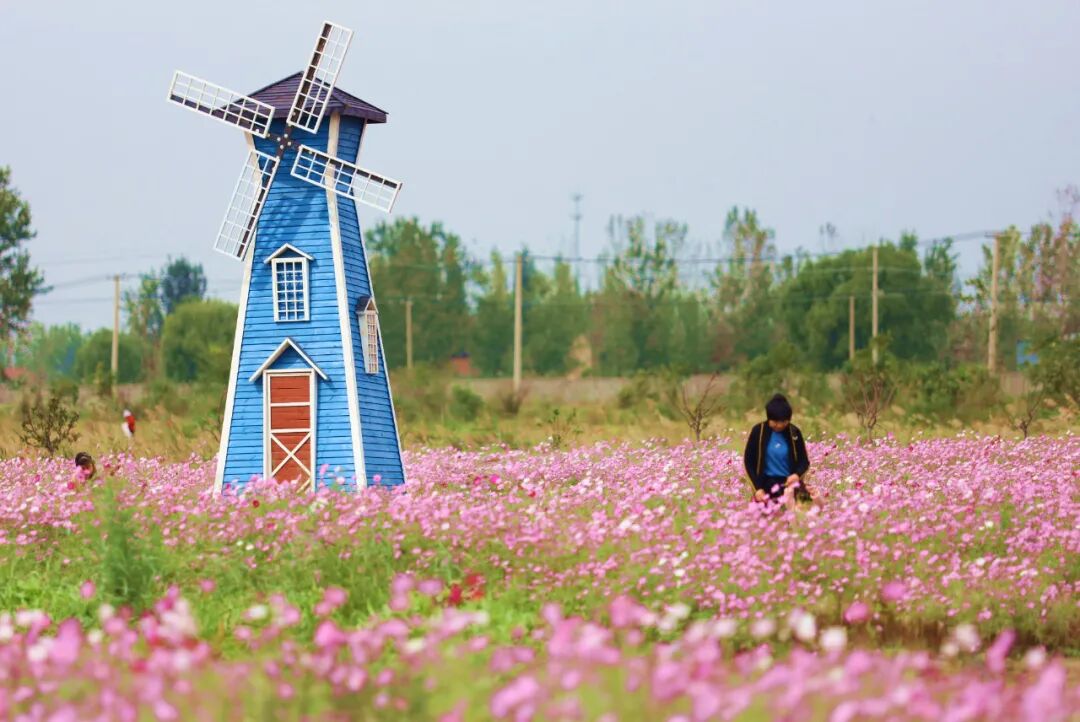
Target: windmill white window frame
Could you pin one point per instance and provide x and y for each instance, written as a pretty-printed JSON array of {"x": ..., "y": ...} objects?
[
  {"x": 368, "y": 318},
  {"x": 291, "y": 295}
]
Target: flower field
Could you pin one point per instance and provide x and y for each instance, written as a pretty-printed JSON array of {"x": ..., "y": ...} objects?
[{"x": 935, "y": 580}]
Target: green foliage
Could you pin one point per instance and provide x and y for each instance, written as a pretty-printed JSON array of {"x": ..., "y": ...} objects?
[
  {"x": 49, "y": 424},
  {"x": 421, "y": 393},
  {"x": 555, "y": 313},
  {"x": 94, "y": 357},
  {"x": 642, "y": 389},
  {"x": 916, "y": 304},
  {"x": 465, "y": 404},
  {"x": 144, "y": 309},
  {"x": 493, "y": 348},
  {"x": 428, "y": 265},
  {"x": 633, "y": 317},
  {"x": 758, "y": 379},
  {"x": 197, "y": 341},
  {"x": 49, "y": 351},
  {"x": 180, "y": 281},
  {"x": 1058, "y": 370},
  {"x": 19, "y": 283},
  {"x": 130, "y": 551},
  {"x": 744, "y": 286},
  {"x": 939, "y": 391},
  {"x": 562, "y": 428}
]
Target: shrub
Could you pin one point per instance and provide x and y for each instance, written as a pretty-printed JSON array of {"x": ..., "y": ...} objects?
[
  {"x": 465, "y": 404},
  {"x": 938, "y": 392},
  {"x": 561, "y": 428},
  {"x": 1058, "y": 370},
  {"x": 48, "y": 425},
  {"x": 868, "y": 388},
  {"x": 420, "y": 393}
]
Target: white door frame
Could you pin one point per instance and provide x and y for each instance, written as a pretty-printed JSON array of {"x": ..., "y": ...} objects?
[{"x": 268, "y": 470}]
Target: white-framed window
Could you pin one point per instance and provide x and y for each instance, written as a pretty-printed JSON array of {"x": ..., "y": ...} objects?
[
  {"x": 290, "y": 288},
  {"x": 369, "y": 337}
]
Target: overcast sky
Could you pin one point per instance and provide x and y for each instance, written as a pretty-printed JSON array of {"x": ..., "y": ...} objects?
[{"x": 942, "y": 116}]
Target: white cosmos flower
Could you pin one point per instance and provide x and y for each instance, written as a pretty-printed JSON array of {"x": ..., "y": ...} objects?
[
  {"x": 762, "y": 628},
  {"x": 805, "y": 627},
  {"x": 724, "y": 628},
  {"x": 1035, "y": 658},
  {"x": 834, "y": 639}
]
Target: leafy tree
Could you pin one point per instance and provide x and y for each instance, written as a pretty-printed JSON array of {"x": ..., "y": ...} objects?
[
  {"x": 18, "y": 281},
  {"x": 144, "y": 308},
  {"x": 197, "y": 340},
  {"x": 633, "y": 312},
  {"x": 181, "y": 281},
  {"x": 744, "y": 284},
  {"x": 556, "y": 317},
  {"x": 49, "y": 351},
  {"x": 428, "y": 265},
  {"x": 915, "y": 307},
  {"x": 93, "y": 360},
  {"x": 145, "y": 317},
  {"x": 494, "y": 335},
  {"x": 1058, "y": 370}
]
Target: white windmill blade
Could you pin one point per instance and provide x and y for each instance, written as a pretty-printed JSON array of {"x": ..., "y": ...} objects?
[
  {"x": 242, "y": 217},
  {"x": 226, "y": 105},
  {"x": 345, "y": 179},
  {"x": 319, "y": 77}
]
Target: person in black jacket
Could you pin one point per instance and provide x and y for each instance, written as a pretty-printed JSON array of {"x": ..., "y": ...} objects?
[{"x": 775, "y": 456}]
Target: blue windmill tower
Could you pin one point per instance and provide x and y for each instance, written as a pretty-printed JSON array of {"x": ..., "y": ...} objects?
[{"x": 308, "y": 386}]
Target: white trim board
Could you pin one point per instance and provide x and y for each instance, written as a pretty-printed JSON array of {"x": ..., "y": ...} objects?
[
  {"x": 286, "y": 248},
  {"x": 287, "y": 344},
  {"x": 234, "y": 365},
  {"x": 345, "y": 315}
]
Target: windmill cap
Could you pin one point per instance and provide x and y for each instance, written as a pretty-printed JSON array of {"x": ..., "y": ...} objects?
[{"x": 280, "y": 95}]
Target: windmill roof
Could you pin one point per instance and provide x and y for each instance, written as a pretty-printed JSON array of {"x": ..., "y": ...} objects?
[{"x": 280, "y": 95}]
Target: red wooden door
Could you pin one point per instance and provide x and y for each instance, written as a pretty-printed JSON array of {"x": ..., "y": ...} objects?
[{"x": 289, "y": 426}]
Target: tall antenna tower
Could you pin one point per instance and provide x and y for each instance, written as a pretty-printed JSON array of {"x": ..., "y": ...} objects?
[{"x": 576, "y": 217}]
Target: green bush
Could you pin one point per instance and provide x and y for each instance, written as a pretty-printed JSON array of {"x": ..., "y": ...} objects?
[
  {"x": 465, "y": 404},
  {"x": 937, "y": 392},
  {"x": 48, "y": 425},
  {"x": 421, "y": 393}
]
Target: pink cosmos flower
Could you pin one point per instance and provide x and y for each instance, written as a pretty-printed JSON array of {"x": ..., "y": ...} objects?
[
  {"x": 857, "y": 613},
  {"x": 87, "y": 590},
  {"x": 893, "y": 591}
]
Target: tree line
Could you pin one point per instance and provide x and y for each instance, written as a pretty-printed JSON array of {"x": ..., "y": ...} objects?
[{"x": 652, "y": 308}]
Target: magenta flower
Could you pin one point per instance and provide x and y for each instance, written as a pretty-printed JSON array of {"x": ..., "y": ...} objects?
[
  {"x": 857, "y": 613},
  {"x": 893, "y": 591}
]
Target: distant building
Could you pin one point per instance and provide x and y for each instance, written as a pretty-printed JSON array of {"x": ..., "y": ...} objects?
[{"x": 461, "y": 364}]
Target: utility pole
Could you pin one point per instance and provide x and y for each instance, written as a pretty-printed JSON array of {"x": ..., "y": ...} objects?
[
  {"x": 408, "y": 333},
  {"x": 874, "y": 309},
  {"x": 991, "y": 351},
  {"x": 517, "y": 322},
  {"x": 851, "y": 328},
  {"x": 576, "y": 216},
  {"x": 116, "y": 332}
]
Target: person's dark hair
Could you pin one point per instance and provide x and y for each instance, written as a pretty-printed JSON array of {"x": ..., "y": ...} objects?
[
  {"x": 83, "y": 459},
  {"x": 778, "y": 409}
]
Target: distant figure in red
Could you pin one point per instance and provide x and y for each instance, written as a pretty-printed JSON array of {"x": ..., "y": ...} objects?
[{"x": 128, "y": 427}]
